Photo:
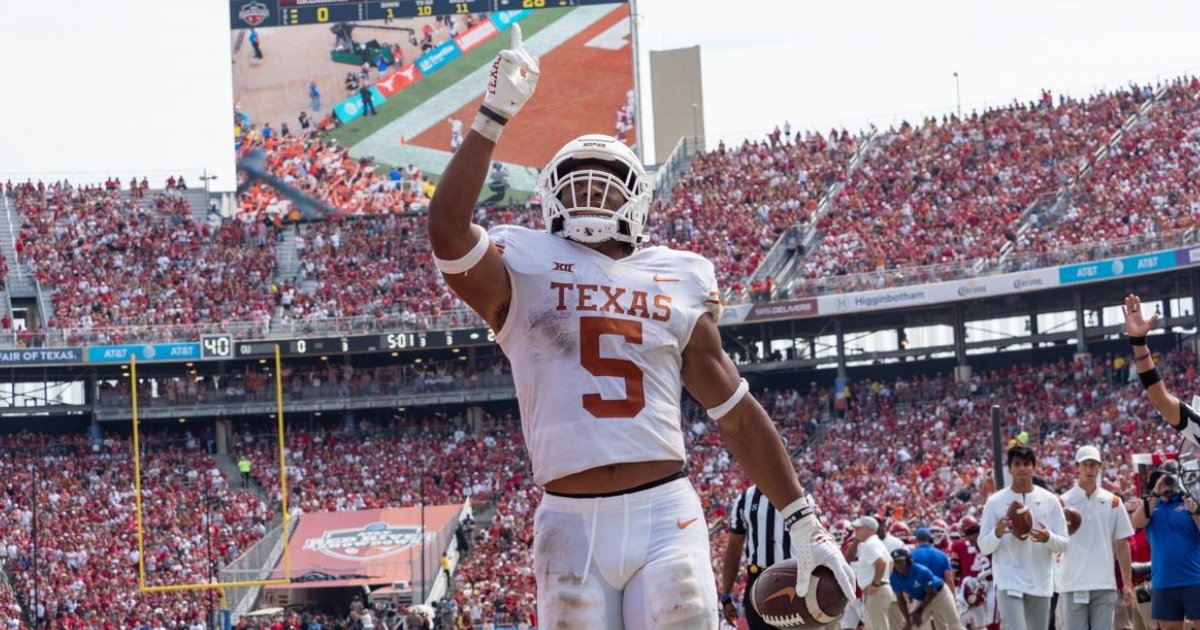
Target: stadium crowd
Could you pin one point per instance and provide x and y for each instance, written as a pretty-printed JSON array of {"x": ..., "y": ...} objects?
[
  {"x": 85, "y": 573},
  {"x": 731, "y": 204},
  {"x": 953, "y": 191},
  {"x": 117, "y": 262},
  {"x": 1148, "y": 184},
  {"x": 924, "y": 201},
  {"x": 911, "y": 449}
]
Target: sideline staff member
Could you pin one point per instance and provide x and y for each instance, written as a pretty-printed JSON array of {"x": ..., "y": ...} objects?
[
  {"x": 1173, "y": 527},
  {"x": 1177, "y": 413}
]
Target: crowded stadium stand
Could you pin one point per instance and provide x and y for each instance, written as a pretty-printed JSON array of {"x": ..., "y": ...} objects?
[{"x": 394, "y": 396}]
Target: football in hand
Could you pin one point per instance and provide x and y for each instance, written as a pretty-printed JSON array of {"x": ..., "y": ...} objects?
[
  {"x": 775, "y": 598},
  {"x": 1021, "y": 518},
  {"x": 1074, "y": 520}
]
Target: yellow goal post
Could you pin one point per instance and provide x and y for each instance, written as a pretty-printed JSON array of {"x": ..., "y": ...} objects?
[{"x": 137, "y": 480}]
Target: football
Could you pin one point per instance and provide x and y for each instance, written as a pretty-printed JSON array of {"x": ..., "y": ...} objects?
[
  {"x": 1074, "y": 520},
  {"x": 1021, "y": 518},
  {"x": 774, "y": 597}
]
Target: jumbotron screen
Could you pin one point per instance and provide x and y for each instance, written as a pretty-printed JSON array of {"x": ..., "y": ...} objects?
[{"x": 400, "y": 82}]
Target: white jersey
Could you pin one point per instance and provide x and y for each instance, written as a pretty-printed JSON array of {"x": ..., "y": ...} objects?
[{"x": 596, "y": 347}]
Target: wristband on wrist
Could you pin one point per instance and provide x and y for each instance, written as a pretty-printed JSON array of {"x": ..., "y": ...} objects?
[
  {"x": 1150, "y": 377},
  {"x": 1137, "y": 341},
  {"x": 796, "y": 511},
  {"x": 488, "y": 123},
  {"x": 1142, "y": 357},
  {"x": 727, "y": 598}
]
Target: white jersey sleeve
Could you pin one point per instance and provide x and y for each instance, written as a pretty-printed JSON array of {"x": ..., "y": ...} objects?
[{"x": 596, "y": 347}]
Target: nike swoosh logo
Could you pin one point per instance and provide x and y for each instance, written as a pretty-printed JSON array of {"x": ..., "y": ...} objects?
[
  {"x": 683, "y": 524},
  {"x": 789, "y": 591},
  {"x": 658, "y": 278}
]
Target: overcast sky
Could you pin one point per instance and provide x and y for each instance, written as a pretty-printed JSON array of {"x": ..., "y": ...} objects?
[{"x": 144, "y": 86}]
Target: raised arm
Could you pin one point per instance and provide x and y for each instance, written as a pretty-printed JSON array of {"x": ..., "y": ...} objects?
[
  {"x": 1176, "y": 412},
  {"x": 471, "y": 264}
]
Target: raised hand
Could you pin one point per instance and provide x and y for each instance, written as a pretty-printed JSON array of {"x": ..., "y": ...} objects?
[{"x": 1136, "y": 324}]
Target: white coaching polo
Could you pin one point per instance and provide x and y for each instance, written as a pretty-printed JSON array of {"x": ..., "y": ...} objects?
[
  {"x": 1087, "y": 564},
  {"x": 869, "y": 551}
]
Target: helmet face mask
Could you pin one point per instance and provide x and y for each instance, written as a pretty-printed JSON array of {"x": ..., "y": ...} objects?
[{"x": 595, "y": 190}]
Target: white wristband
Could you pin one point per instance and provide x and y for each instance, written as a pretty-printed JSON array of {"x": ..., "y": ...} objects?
[
  {"x": 718, "y": 412},
  {"x": 797, "y": 511},
  {"x": 487, "y": 127},
  {"x": 467, "y": 262}
]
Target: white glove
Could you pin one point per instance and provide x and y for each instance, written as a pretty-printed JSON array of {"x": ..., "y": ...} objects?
[
  {"x": 511, "y": 83},
  {"x": 813, "y": 546}
]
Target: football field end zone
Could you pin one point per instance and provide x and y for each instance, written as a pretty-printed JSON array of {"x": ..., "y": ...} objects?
[
  {"x": 137, "y": 481},
  {"x": 434, "y": 161},
  {"x": 415, "y": 95},
  {"x": 419, "y": 116}
]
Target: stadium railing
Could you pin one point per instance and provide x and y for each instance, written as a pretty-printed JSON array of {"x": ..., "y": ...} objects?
[
  {"x": 1025, "y": 261},
  {"x": 668, "y": 172},
  {"x": 256, "y": 564},
  {"x": 405, "y": 384}
]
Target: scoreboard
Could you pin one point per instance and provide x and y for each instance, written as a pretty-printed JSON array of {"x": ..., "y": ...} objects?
[
  {"x": 263, "y": 13},
  {"x": 390, "y": 342}
]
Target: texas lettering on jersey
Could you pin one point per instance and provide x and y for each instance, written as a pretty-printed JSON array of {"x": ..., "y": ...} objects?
[
  {"x": 600, "y": 298},
  {"x": 596, "y": 346}
]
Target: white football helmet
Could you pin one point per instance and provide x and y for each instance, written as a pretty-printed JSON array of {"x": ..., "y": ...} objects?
[{"x": 587, "y": 215}]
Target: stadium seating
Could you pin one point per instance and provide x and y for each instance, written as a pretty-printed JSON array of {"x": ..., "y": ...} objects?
[
  {"x": 732, "y": 203},
  {"x": 1148, "y": 184},
  {"x": 113, "y": 262},
  {"x": 914, "y": 449},
  {"x": 87, "y": 561},
  {"x": 952, "y": 192}
]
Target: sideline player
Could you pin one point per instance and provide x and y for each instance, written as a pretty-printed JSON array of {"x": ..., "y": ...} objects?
[
  {"x": 602, "y": 338},
  {"x": 976, "y": 591}
]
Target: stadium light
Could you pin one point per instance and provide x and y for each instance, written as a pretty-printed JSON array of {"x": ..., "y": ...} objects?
[{"x": 958, "y": 94}]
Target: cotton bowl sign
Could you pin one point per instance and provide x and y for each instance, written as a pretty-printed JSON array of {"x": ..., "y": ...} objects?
[{"x": 375, "y": 541}]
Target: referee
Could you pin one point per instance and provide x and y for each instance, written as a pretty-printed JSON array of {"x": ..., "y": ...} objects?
[
  {"x": 1176, "y": 412},
  {"x": 757, "y": 532}
]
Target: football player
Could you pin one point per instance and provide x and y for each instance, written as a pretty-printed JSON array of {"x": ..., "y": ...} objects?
[
  {"x": 976, "y": 591},
  {"x": 603, "y": 336}
]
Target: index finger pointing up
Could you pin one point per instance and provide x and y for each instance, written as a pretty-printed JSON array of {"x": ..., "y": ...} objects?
[{"x": 517, "y": 42}]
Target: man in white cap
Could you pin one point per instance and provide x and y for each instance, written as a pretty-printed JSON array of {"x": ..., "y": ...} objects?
[
  {"x": 1089, "y": 587},
  {"x": 871, "y": 570}
]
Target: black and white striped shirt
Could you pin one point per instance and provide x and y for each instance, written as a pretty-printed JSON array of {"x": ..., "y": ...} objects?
[{"x": 767, "y": 540}]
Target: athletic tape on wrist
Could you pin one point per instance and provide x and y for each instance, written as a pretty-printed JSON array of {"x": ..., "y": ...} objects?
[
  {"x": 795, "y": 511},
  {"x": 488, "y": 124},
  {"x": 467, "y": 262},
  {"x": 1149, "y": 377},
  {"x": 1136, "y": 341},
  {"x": 718, "y": 412}
]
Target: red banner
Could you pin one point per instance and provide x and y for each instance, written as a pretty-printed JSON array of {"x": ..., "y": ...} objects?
[
  {"x": 365, "y": 547},
  {"x": 478, "y": 34},
  {"x": 398, "y": 80}
]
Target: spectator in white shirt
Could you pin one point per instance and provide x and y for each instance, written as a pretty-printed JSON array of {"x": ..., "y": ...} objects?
[
  {"x": 871, "y": 570},
  {"x": 1089, "y": 587},
  {"x": 1022, "y": 569}
]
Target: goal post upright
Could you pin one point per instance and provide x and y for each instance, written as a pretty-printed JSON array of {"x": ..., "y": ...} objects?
[{"x": 137, "y": 482}]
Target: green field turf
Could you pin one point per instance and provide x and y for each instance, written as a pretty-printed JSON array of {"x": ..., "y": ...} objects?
[{"x": 412, "y": 96}]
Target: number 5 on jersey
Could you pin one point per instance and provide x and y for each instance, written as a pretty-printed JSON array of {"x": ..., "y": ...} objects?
[{"x": 590, "y": 331}]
